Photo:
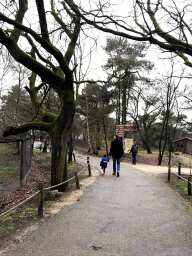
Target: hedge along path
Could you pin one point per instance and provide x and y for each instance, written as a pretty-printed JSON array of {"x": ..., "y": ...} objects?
[{"x": 73, "y": 196}]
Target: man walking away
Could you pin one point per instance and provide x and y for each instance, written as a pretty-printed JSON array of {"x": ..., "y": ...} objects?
[
  {"x": 134, "y": 150},
  {"x": 116, "y": 152}
]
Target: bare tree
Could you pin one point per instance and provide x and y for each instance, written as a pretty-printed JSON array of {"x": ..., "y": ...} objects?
[
  {"x": 146, "y": 96},
  {"x": 45, "y": 44},
  {"x": 169, "y": 99},
  {"x": 162, "y": 23}
]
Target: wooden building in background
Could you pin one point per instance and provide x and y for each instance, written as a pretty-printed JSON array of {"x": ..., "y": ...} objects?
[{"x": 183, "y": 145}]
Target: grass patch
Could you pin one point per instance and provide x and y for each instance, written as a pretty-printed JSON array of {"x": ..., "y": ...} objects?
[
  {"x": 7, "y": 216},
  {"x": 36, "y": 152},
  {"x": 8, "y": 148},
  {"x": 16, "y": 219},
  {"x": 9, "y": 163},
  {"x": 41, "y": 154},
  {"x": 154, "y": 154},
  {"x": 6, "y": 170},
  {"x": 181, "y": 186},
  {"x": 22, "y": 217},
  {"x": 186, "y": 159},
  {"x": 11, "y": 228},
  {"x": 49, "y": 203},
  {"x": 28, "y": 212},
  {"x": 71, "y": 166}
]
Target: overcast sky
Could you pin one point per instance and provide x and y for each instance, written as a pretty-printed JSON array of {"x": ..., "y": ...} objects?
[{"x": 99, "y": 57}]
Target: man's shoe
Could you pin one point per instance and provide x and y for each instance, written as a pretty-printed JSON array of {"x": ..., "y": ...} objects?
[
  {"x": 118, "y": 174},
  {"x": 113, "y": 173}
]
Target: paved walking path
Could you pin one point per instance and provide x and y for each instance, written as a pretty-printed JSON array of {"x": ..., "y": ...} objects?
[{"x": 134, "y": 215}]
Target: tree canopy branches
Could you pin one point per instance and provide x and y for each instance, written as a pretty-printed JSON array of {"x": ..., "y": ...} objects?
[
  {"x": 165, "y": 25},
  {"x": 24, "y": 33}
]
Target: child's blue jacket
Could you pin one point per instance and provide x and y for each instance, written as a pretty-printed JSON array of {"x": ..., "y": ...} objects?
[{"x": 105, "y": 160}]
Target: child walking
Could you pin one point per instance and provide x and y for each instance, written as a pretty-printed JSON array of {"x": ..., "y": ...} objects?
[{"x": 103, "y": 163}]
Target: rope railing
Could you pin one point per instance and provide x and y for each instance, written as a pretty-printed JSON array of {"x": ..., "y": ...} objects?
[
  {"x": 180, "y": 177},
  {"x": 54, "y": 186},
  {"x": 83, "y": 169},
  {"x": 66, "y": 180},
  {"x": 27, "y": 199},
  {"x": 41, "y": 189}
]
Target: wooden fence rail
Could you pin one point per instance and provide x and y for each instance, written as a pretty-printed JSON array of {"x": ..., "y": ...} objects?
[
  {"x": 41, "y": 189},
  {"x": 189, "y": 184}
]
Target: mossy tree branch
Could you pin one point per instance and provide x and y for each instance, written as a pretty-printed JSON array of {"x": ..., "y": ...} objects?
[
  {"x": 49, "y": 63},
  {"x": 26, "y": 127},
  {"x": 46, "y": 45},
  {"x": 60, "y": 21},
  {"x": 20, "y": 56},
  {"x": 72, "y": 35},
  {"x": 23, "y": 5}
]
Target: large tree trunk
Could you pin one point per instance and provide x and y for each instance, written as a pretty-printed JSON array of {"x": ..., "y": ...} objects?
[
  {"x": 59, "y": 136},
  {"x": 145, "y": 142},
  {"x": 148, "y": 149},
  {"x": 59, "y": 160}
]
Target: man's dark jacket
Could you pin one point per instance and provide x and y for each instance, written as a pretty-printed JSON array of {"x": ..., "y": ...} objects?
[{"x": 116, "y": 148}]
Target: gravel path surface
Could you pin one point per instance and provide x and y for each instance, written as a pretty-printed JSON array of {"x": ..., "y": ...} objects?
[{"x": 134, "y": 214}]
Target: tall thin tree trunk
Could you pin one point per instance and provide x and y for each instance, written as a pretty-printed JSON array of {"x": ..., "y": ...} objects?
[
  {"x": 124, "y": 105},
  {"x": 105, "y": 134},
  {"x": 87, "y": 121},
  {"x": 18, "y": 100},
  {"x": 119, "y": 105},
  {"x": 71, "y": 146}
]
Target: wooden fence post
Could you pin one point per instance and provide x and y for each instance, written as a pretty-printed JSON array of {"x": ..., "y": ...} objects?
[
  {"x": 89, "y": 167},
  {"x": 77, "y": 180},
  {"x": 189, "y": 186},
  {"x": 169, "y": 173},
  {"x": 40, "y": 200},
  {"x": 21, "y": 166},
  {"x": 179, "y": 170}
]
